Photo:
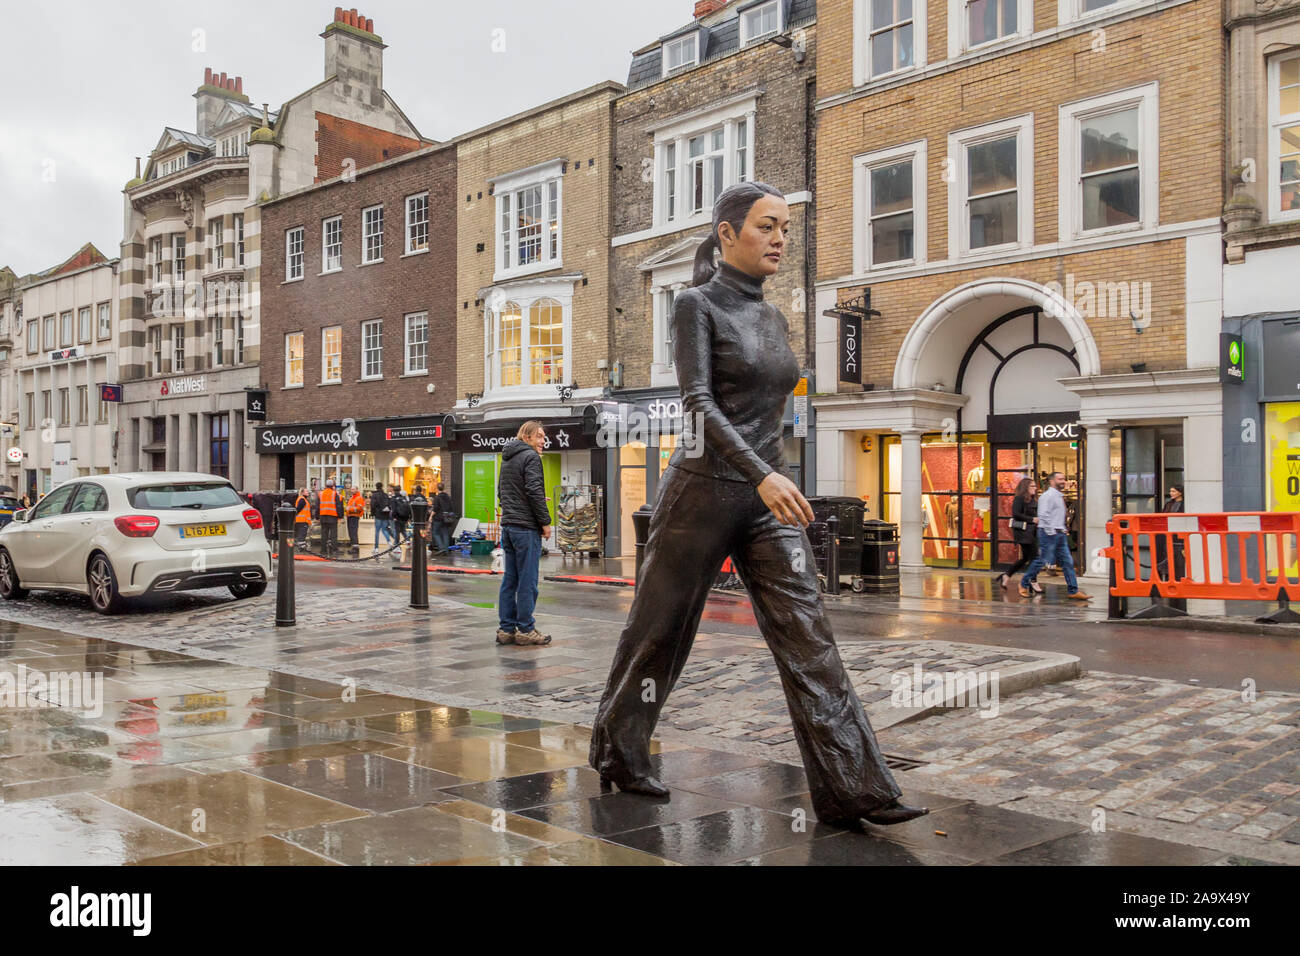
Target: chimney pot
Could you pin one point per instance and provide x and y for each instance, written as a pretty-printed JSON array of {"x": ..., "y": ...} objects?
[
  {"x": 239, "y": 84},
  {"x": 370, "y": 25},
  {"x": 207, "y": 75},
  {"x": 352, "y": 16},
  {"x": 338, "y": 14},
  {"x": 221, "y": 81}
]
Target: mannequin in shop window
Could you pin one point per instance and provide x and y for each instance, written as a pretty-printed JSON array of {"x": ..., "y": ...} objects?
[{"x": 733, "y": 497}]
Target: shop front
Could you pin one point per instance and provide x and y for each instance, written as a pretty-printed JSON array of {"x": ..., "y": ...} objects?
[
  {"x": 405, "y": 451},
  {"x": 998, "y": 381},
  {"x": 573, "y": 468},
  {"x": 195, "y": 422}
]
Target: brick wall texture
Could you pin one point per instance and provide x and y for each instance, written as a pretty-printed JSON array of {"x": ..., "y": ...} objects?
[{"x": 339, "y": 140}]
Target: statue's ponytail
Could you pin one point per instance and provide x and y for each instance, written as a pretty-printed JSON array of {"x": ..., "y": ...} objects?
[{"x": 732, "y": 206}]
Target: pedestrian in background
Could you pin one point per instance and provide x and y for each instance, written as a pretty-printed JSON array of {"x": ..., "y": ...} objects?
[
  {"x": 443, "y": 519},
  {"x": 355, "y": 508},
  {"x": 525, "y": 521},
  {"x": 313, "y": 495},
  {"x": 417, "y": 495},
  {"x": 401, "y": 512},
  {"x": 1024, "y": 530},
  {"x": 331, "y": 509},
  {"x": 1174, "y": 505},
  {"x": 1053, "y": 540},
  {"x": 302, "y": 517},
  {"x": 382, "y": 512}
]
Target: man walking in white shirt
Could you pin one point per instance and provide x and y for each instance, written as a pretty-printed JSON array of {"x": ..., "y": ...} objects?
[{"x": 1053, "y": 540}]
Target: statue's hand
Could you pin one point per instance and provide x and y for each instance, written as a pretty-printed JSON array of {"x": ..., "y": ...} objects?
[{"x": 784, "y": 500}]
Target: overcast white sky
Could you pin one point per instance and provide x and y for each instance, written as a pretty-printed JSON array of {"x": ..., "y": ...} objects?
[{"x": 90, "y": 85}]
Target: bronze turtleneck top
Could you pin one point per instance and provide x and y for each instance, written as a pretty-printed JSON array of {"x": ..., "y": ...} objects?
[{"x": 736, "y": 369}]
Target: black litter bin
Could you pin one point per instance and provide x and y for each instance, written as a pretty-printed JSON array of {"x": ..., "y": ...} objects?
[
  {"x": 851, "y": 513},
  {"x": 879, "y": 557}
]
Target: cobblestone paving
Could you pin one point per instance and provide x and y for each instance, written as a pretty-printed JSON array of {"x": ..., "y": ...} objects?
[{"x": 1163, "y": 758}]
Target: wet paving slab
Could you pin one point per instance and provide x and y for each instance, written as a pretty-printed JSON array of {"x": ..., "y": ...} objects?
[{"x": 189, "y": 762}]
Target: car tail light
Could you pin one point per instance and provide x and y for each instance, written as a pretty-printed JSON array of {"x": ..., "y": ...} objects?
[
  {"x": 137, "y": 526},
  {"x": 253, "y": 518}
]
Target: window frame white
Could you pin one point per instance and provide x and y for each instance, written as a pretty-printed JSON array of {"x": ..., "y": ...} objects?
[
  {"x": 33, "y": 336},
  {"x": 1071, "y": 11},
  {"x": 367, "y": 234},
  {"x": 677, "y": 133},
  {"x": 85, "y": 329},
  {"x": 216, "y": 333},
  {"x": 67, "y": 330},
  {"x": 1276, "y": 122},
  {"x": 295, "y": 236},
  {"x": 326, "y": 245},
  {"x": 506, "y": 189},
  {"x": 178, "y": 347},
  {"x": 862, "y": 74},
  {"x": 288, "y": 360},
  {"x": 369, "y": 352},
  {"x": 693, "y": 38},
  {"x": 155, "y": 342},
  {"x": 410, "y": 248},
  {"x": 216, "y": 246},
  {"x": 1071, "y": 115},
  {"x": 525, "y": 295},
  {"x": 959, "y": 33},
  {"x": 104, "y": 321},
  {"x": 863, "y": 164},
  {"x": 83, "y": 404},
  {"x": 407, "y": 326},
  {"x": 178, "y": 258},
  {"x": 1022, "y": 127},
  {"x": 746, "y": 38},
  {"x": 666, "y": 283},
  {"x": 331, "y": 356},
  {"x": 239, "y": 240}
]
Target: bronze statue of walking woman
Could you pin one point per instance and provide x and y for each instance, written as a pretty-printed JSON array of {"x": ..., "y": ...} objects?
[{"x": 735, "y": 368}]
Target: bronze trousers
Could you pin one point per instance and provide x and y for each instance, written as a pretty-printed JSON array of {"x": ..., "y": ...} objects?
[{"x": 698, "y": 521}]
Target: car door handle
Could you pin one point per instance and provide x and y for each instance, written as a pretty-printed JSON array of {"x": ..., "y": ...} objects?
[{"x": 87, "y": 520}]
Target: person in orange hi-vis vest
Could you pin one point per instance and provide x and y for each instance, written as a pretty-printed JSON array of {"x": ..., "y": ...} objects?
[
  {"x": 331, "y": 508},
  {"x": 355, "y": 508},
  {"x": 302, "y": 517}
]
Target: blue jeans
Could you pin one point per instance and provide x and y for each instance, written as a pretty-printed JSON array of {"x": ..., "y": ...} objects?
[
  {"x": 523, "y": 551},
  {"x": 1053, "y": 549},
  {"x": 441, "y": 536},
  {"x": 383, "y": 526}
]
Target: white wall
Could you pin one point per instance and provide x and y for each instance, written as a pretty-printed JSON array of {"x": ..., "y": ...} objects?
[{"x": 1265, "y": 282}]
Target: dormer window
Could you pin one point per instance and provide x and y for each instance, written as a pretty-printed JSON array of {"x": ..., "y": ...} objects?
[
  {"x": 760, "y": 21},
  {"x": 681, "y": 53}
]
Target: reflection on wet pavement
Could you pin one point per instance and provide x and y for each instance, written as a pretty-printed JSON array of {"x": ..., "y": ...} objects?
[{"x": 191, "y": 762}]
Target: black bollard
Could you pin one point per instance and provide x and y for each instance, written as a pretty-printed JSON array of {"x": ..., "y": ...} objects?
[
  {"x": 641, "y": 530},
  {"x": 833, "y": 554},
  {"x": 285, "y": 615},
  {"x": 419, "y": 555}
]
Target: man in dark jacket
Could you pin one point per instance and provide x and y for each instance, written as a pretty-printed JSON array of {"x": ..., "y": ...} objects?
[
  {"x": 525, "y": 521},
  {"x": 443, "y": 518}
]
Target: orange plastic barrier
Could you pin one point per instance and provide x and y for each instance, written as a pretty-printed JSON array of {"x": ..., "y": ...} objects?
[{"x": 1235, "y": 556}]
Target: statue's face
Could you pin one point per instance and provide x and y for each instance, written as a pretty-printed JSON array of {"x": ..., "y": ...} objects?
[{"x": 761, "y": 243}]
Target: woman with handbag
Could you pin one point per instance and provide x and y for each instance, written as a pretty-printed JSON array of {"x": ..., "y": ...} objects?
[{"x": 1024, "y": 530}]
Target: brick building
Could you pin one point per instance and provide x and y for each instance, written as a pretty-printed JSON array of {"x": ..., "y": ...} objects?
[
  {"x": 1018, "y": 256},
  {"x": 190, "y": 340},
  {"x": 1261, "y": 409},
  {"x": 532, "y": 301},
  {"x": 728, "y": 97},
  {"x": 358, "y": 322}
]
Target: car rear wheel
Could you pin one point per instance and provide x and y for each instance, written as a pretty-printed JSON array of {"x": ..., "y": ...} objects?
[
  {"x": 250, "y": 590},
  {"x": 101, "y": 582},
  {"x": 9, "y": 587}
]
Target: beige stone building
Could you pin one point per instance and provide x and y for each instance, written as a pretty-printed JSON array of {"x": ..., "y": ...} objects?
[
  {"x": 1261, "y": 413},
  {"x": 1018, "y": 258},
  {"x": 532, "y": 304},
  {"x": 191, "y": 253}
]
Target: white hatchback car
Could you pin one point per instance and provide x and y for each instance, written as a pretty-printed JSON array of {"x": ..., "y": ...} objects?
[{"x": 113, "y": 537}]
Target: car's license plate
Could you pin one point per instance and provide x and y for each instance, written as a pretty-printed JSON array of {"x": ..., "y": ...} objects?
[{"x": 203, "y": 530}]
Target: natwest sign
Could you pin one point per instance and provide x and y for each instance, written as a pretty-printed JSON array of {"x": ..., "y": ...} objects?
[{"x": 188, "y": 385}]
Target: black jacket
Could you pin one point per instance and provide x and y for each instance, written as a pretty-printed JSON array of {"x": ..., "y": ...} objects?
[
  {"x": 521, "y": 488},
  {"x": 379, "y": 507},
  {"x": 736, "y": 370},
  {"x": 1025, "y": 509},
  {"x": 442, "y": 512}
]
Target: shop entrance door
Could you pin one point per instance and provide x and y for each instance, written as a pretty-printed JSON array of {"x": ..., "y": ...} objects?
[{"x": 1036, "y": 460}]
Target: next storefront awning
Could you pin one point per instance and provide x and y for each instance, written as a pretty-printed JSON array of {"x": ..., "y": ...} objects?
[{"x": 349, "y": 434}]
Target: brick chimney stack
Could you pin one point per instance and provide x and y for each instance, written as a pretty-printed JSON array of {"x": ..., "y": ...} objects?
[
  {"x": 211, "y": 97},
  {"x": 354, "y": 56},
  {"x": 704, "y": 7}
]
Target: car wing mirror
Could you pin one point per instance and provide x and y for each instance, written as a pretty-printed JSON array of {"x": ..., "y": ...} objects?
[{"x": 20, "y": 515}]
